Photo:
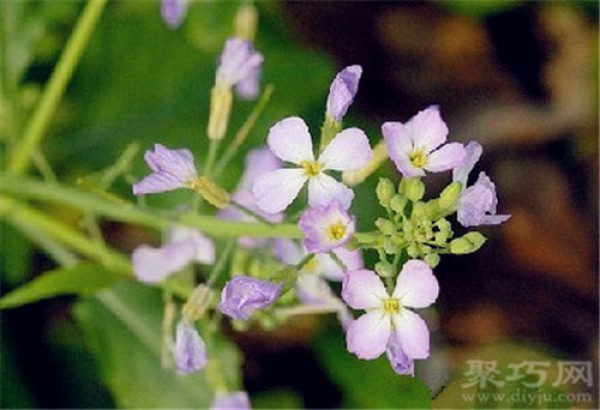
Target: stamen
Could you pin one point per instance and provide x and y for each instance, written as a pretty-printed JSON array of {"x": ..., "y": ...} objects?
[
  {"x": 391, "y": 306},
  {"x": 312, "y": 168},
  {"x": 336, "y": 231},
  {"x": 418, "y": 158}
]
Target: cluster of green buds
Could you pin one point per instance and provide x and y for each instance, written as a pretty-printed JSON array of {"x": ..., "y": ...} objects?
[{"x": 415, "y": 228}]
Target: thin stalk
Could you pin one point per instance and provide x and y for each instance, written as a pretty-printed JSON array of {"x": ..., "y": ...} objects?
[
  {"x": 49, "y": 101},
  {"x": 124, "y": 211},
  {"x": 251, "y": 213},
  {"x": 220, "y": 265},
  {"x": 338, "y": 261},
  {"x": 211, "y": 156},
  {"x": 245, "y": 129}
]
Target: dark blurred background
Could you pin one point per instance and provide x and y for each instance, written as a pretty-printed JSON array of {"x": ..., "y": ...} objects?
[{"x": 519, "y": 77}]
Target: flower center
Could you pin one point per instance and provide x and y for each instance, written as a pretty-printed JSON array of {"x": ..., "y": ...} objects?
[
  {"x": 311, "y": 168},
  {"x": 391, "y": 306},
  {"x": 418, "y": 158},
  {"x": 336, "y": 231}
]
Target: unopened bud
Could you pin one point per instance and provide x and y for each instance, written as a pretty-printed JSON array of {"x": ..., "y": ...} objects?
[
  {"x": 221, "y": 100},
  {"x": 385, "y": 191},
  {"x": 384, "y": 269},
  {"x": 385, "y": 225},
  {"x": 432, "y": 259},
  {"x": 413, "y": 188},
  {"x": 197, "y": 303},
  {"x": 246, "y": 21},
  {"x": 450, "y": 195},
  {"x": 468, "y": 243},
  {"x": 398, "y": 203}
]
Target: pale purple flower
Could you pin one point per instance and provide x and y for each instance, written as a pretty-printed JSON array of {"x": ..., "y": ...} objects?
[
  {"x": 369, "y": 335},
  {"x": 477, "y": 204},
  {"x": 240, "y": 66},
  {"x": 238, "y": 400},
  {"x": 190, "y": 350},
  {"x": 258, "y": 162},
  {"x": 342, "y": 91},
  {"x": 185, "y": 245},
  {"x": 173, "y": 12},
  {"x": 242, "y": 295},
  {"x": 326, "y": 227},
  {"x": 173, "y": 169},
  {"x": 418, "y": 145},
  {"x": 290, "y": 141},
  {"x": 400, "y": 362}
]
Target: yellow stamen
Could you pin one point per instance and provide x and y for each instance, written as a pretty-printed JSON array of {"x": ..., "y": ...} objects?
[
  {"x": 418, "y": 158},
  {"x": 336, "y": 231},
  {"x": 312, "y": 168},
  {"x": 391, "y": 306}
]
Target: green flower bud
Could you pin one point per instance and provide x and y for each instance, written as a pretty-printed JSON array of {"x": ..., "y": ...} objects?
[
  {"x": 432, "y": 259},
  {"x": 413, "y": 250},
  {"x": 414, "y": 188},
  {"x": 385, "y": 191},
  {"x": 398, "y": 203},
  {"x": 468, "y": 243},
  {"x": 390, "y": 246},
  {"x": 211, "y": 192},
  {"x": 385, "y": 225},
  {"x": 384, "y": 269},
  {"x": 450, "y": 195}
]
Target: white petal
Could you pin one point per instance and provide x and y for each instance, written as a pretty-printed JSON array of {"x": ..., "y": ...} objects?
[
  {"x": 473, "y": 153},
  {"x": 427, "y": 129},
  {"x": 367, "y": 336},
  {"x": 447, "y": 157},
  {"x": 275, "y": 191},
  {"x": 349, "y": 150},
  {"x": 290, "y": 140},
  {"x": 323, "y": 189},
  {"x": 413, "y": 334},
  {"x": 363, "y": 289},
  {"x": 416, "y": 286}
]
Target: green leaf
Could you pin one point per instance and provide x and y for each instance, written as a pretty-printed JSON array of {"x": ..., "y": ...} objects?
[
  {"x": 123, "y": 328},
  {"x": 468, "y": 243},
  {"x": 368, "y": 384},
  {"x": 83, "y": 279}
]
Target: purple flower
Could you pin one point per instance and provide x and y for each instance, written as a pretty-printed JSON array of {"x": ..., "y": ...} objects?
[
  {"x": 173, "y": 12},
  {"x": 400, "y": 362},
  {"x": 326, "y": 227},
  {"x": 238, "y": 400},
  {"x": 242, "y": 295},
  {"x": 190, "y": 351},
  {"x": 258, "y": 162},
  {"x": 153, "y": 265},
  {"x": 240, "y": 66},
  {"x": 290, "y": 141},
  {"x": 477, "y": 204},
  {"x": 342, "y": 91},
  {"x": 369, "y": 335},
  {"x": 417, "y": 145},
  {"x": 173, "y": 169}
]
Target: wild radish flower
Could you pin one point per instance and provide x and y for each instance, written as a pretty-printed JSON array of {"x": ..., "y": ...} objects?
[
  {"x": 326, "y": 227},
  {"x": 258, "y": 162},
  {"x": 239, "y": 64},
  {"x": 173, "y": 169},
  {"x": 342, "y": 91},
  {"x": 173, "y": 12},
  {"x": 416, "y": 146},
  {"x": 238, "y": 400},
  {"x": 369, "y": 335},
  {"x": 152, "y": 265},
  {"x": 477, "y": 204},
  {"x": 242, "y": 295},
  {"x": 290, "y": 141},
  {"x": 190, "y": 350}
]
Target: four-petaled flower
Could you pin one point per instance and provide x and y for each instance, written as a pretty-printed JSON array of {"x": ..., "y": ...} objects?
[
  {"x": 477, "y": 204},
  {"x": 369, "y": 335},
  {"x": 326, "y": 227},
  {"x": 413, "y": 146},
  {"x": 173, "y": 169},
  {"x": 342, "y": 91},
  {"x": 242, "y": 295},
  {"x": 290, "y": 141},
  {"x": 190, "y": 350}
]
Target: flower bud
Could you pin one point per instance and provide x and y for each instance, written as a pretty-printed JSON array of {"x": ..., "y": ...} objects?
[
  {"x": 398, "y": 203},
  {"x": 385, "y": 225},
  {"x": 414, "y": 188},
  {"x": 468, "y": 243},
  {"x": 221, "y": 100},
  {"x": 211, "y": 192},
  {"x": 197, "y": 303},
  {"x": 384, "y": 269},
  {"x": 390, "y": 246},
  {"x": 246, "y": 21},
  {"x": 190, "y": 350},
  {"x": 450, "y": 195},
  {"x": 432, "y": 259},
  {"x": 385, "y": 191}
]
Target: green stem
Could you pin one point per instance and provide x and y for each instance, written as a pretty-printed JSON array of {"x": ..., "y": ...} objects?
[
  {"x": 55, "y": 88},
  {"x": 338, "y": 261},
  {"x": 245, "y": 129},
  {"x": 124, "y": 211},
  {"x": 304, "y": 262},
  {"x": 220, "y": 265},
  {"x": 211, "y": 156},
  {"x": 251, "y": 213}
]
